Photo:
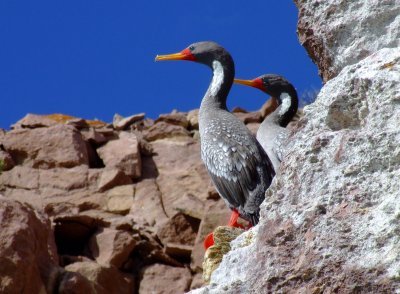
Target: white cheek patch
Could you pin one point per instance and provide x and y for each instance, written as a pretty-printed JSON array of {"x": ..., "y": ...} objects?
[
  {"x": 217, "y": 79},
  {"x": 286, "y": 103}
]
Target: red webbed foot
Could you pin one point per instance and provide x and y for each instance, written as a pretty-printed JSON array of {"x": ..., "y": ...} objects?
[{"x": 209, "y": 241}]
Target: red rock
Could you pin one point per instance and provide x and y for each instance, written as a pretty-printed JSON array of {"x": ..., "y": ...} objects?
[
  {"x": 111, "y": 178},
  {"x": 177, "y": 118},
  {"x": 20, "y": 177},
  {"x": 56, "y": 146},
  {"x": 112, "y": 247},
  {"x": 105, "y": 279},
  {"x": 163, "y": 130},
  {"x": 120, "y": 199},
  {"x": 124, "y": 123},
  {"x": 123, "y": 154},
  {"x": 32, "y": 121},
  {"x": 64, "y": 179},
  {"x": 180, "y": 229},
  {"x": 92, "y": 135},
  {"x": 75, "y": 283},
  {"x": 165, "y": 279},
  {"x": 28, "y": 254},
  {"x": 180, "y": 171},
  {"x": 147, "y": 206}
]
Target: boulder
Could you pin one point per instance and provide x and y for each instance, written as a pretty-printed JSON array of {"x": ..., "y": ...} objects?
[
  {"x": 163, "y": 130},
  {"x": 123, "y": 154},
  {"x": 20, "y": 177},
  {"x": 112, "y": 177},
  {"x": 163, "y": 279},
  {"x": 176, "y": 118},
  {"x": 122, "y": 123},
  {"x": 120, "y": 199},
  {"x": 249, "y": 117},
  {"x": 32, "y": 121},
  {"x": 56, "y": 146},
  {"x": 105, "y": 279},
  {"x": 111, "y": 247},
  {"x": 6, "y": 161},
  {"x": 193, "y": 118},
  {"x": 28, "y": 254}
]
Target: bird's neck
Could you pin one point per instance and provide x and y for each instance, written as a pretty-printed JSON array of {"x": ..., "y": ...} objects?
[
  {"x": 221, "y": 83},
  {"x": 286, "y": 110}
]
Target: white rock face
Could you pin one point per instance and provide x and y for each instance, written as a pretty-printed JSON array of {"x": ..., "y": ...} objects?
[
  {"x": 331, "y": 219},
  {"x": 340, "y": 33}
]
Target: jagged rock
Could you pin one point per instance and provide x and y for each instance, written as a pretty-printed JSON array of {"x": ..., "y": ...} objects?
[
  {"x": 177, "y": 118},
  {"x": 32, "y": 121},
  {"x": 63, "y": 179},
  {"x": 253, "y": 127},
  {"x": 124, "y": 123},
  {"x": 105, "y": 279},
  {"x": 120, "y": 199},
  {"x": 190, "y": 205},
  {"x": 163, "y": 130},
  {"x": 111, "y": 178},
  {"x": 338, "y": 189},
  {"x": 163, "y": 279},
  {"x": 193, "y": 118},
  {"x": 93, "y": 135},
  {"x": 56, "y": 146},
  {"x": 20, "y": 177},
  {"x": 111, "y": 247},
  {"x": 179, "y": 251},
  {"x": 337, "y": 34},
  {"x": 223, "y": 236},
  {"x": 180, "y": 229},
  {"x": 147, "y": 205},
  {"x": 27, "y": 249},
  {"x": 75, "y": 283},
  {"x": 197, "y": 281},
  {"x": 123, "y": 154},
  {"x": 188, "y": 175}
]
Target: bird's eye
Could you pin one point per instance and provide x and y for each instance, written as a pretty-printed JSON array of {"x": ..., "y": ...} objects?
[{"x": 191, "y": 48}]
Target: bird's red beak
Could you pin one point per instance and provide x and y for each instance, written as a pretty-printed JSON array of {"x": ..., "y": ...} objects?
[
  {"x": 185, "y": 54},
  {"x": 255, "y": 83}
]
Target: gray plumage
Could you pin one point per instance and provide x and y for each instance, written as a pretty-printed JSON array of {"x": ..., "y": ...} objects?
[{"x": 238, "y": 165}]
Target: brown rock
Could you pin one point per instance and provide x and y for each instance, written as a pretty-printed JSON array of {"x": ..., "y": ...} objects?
[
  {"x": 20, "y": 177},
  {"x": 193, "y": 118},
  {"x": 124, "y": 123},
  {"x": 106, "y": 279},
  {"x": 147, "y": 206},
  {"x": 78, "y": 123},
  {"x": 120, "y": 199},
  {"x": 180, "y": 171},
  {"x": 56, "y": 146},
  {"x": 111, "y": 247},
  {"x": 179, "y": 251},
  {"x": 250, "y": 117},
  {"x": 123, "y": 154},
  {"x": 6, "y": 161},
  {"x": 177, "y": 118},
  {"x": 28, "y": 253},
  {"x": 31, "y": 197},
  {"x": 268, "y": 107},
  {"x": 180, "y": 229},
  {"x": 75, "y": 283},
  {"x": 190, "y": 205},
  {"x": 65, "y": 179},
  {"x": 93, "y": 136},
  {"x": 197, "y": 281},
  {"x": 32, "y": 121},
  {"x": 163, "y": 130},
  {"x": 164, "y": 279},
  {"x": 111, "y": 178}
]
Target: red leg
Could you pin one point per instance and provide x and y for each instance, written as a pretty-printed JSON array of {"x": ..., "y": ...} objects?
[
  {"x": 233, "y": 220},
  {"x": 208, "y": 241}
]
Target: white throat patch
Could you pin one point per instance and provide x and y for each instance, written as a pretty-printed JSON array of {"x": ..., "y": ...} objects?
[
  {"x": 286, "y": 103},
  {"x": 218, "y": 77}
]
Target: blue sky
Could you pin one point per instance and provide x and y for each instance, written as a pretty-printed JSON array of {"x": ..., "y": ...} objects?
[{"x": 92, "y": 59}]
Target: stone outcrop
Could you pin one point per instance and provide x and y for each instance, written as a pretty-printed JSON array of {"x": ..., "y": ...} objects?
[
  {"x": 330, "y": 218},
  {"x": 115, "y": 212}
]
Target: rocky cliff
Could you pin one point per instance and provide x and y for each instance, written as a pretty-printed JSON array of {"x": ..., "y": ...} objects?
[
  {"x": 330, "y": 222},
  {"x": 90, "y": 207}
]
